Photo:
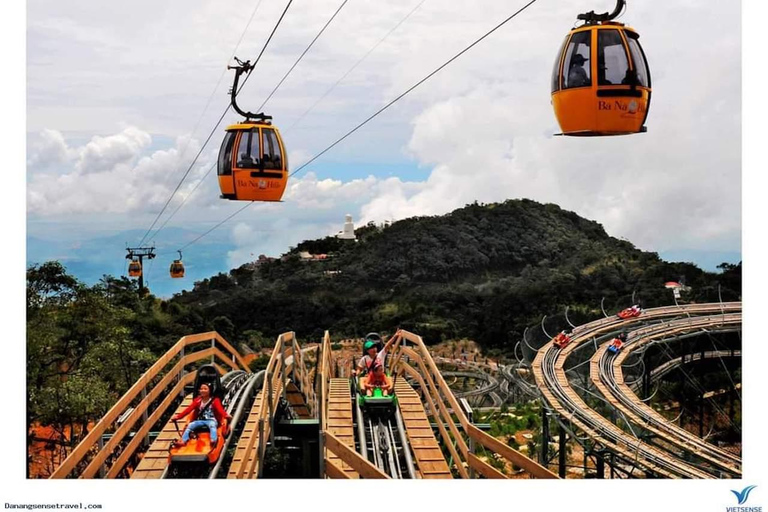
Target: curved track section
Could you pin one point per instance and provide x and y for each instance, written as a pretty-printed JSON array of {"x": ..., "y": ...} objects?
[
  {"x": 488, "y": 389},
  {"x": 550, "y": 375},
  {"x": 663, "y": 369},
  {"x": 607, "y": 376}
]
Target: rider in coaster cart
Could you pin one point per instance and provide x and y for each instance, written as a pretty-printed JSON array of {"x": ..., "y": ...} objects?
[
  {"x": 377, "y": 379},
  {"x": 561, "y": 339},
  {"x": 631, "y": 312},
  {"x": 617, "y": 342},
  {"x": 206, "y": 411},
  {"x": 372, "y": 356}
]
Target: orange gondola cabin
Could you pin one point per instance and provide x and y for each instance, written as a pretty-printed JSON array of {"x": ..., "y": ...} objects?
[
  {"x": 134, "y": 268},
  {"x": 252, "y": 164},
  {"x": 601, "y": 84},
  {"x": 177, "y": 268}
]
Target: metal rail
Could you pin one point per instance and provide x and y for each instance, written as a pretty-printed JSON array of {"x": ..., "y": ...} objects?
[{"x": 551, "y": 379}]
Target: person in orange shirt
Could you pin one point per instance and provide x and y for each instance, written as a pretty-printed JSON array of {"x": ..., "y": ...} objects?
[{"x": 378, "y": 379}]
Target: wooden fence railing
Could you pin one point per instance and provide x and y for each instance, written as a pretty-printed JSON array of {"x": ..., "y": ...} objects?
[
  {"x": 137, "y": 402},
  {"x": 410, "y": 357},
  {"x": 286, "y": 364}
]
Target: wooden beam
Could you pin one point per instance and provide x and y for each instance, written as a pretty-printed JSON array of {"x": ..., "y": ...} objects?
[
  {"x": 438, "y": 419},
  {"x": 360, "y": 464},
  {"x": 484, "y": 468},
  {"x": 333, "y": 471},
  {"x": 512, "y": 455},
  {"x": 117, "y": 466}
]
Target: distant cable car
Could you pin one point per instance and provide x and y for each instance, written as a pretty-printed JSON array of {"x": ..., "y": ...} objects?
[
  {"x": 134, "y": 268},
  {"x": 253, "y": 164},
  {"x": 601, "y": 84},
  {"x": 177, "y": 268}
]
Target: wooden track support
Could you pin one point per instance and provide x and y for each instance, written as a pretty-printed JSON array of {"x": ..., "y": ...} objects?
[
  {"x": 250, "y": 429},
  {"x": 427, "y": 455},
  {"x": 155, "y": 459},
  {"x": 339, "y": 423}
]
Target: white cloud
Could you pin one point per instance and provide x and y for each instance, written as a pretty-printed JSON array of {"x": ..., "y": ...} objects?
[
  {"x": 48, "y": 149},
  {"x": 109, "y": 174},
  {"x": 103, "y": 154},
  {"x": 481, "y": 129}
]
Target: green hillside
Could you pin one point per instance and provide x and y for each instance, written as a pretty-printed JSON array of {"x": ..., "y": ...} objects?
[{"x": 483, "y": 271}]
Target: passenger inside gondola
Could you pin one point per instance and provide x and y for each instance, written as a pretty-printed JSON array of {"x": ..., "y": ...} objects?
[
  {"x": 207, "y": 412},
  {"x": 577, "y": 75}
]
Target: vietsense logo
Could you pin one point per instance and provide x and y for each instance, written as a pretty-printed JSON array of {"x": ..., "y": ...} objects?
[
  {"x": 744, "y": 494},
  {"x": 742, "y": 498}
]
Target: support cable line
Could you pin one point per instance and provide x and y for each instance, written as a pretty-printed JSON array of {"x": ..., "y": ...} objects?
[
  {"x": 354, "y": 66},
  {"x": 246, "y": 205},
  {"x": 302, "y": 55},
  {"x": 208, "y": 104},
  {"x": 191, "y": 193},
  {"x": 221, "y": 118},
  {"x": 410, "y": 89},
  {"x": 370, "y": 118}
]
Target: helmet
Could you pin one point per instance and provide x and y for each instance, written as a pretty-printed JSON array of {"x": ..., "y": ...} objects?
[
  {"x": 369, "y": 345},
  {"x": 373, "y": 336}
]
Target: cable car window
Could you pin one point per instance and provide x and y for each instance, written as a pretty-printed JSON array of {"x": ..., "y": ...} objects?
[
  {"x": 638, "y": 58},
  {"x": 225, "y": 155},
  {"x": 612, "y": 62},
  {"x": 248, "y": 150},
  {"x": 272, "y": 154},
  {"x": 556, "y": 70},
  {"x": 577, "y": 61}
]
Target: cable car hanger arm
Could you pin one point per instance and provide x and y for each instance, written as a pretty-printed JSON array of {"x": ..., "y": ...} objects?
[
  {"x": 243, "y": 67},
  {"x": 590, "y": 17}
]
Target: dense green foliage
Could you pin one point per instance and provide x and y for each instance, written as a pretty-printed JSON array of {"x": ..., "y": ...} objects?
[{"x": 483, "y": 272}]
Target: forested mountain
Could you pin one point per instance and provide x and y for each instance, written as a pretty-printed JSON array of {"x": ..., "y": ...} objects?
[{"x": 483, "y": 272}]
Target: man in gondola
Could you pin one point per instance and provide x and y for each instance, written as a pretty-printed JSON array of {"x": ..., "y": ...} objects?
[{"x": 577, "y": 75}]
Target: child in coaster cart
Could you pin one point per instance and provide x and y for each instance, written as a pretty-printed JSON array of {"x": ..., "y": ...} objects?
[{"x": 206, "y": 411}]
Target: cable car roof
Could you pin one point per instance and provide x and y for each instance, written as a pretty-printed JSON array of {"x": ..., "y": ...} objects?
[
  {"x": 604, "y": 26},
  {"x": 249, "y": 125}
]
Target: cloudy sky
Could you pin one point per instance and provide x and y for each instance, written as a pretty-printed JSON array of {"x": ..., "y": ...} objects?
[{"x": 121, "y": 99}]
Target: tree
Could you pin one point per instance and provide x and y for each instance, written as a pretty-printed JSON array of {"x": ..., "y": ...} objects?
[{"x": 224, "y": 326}]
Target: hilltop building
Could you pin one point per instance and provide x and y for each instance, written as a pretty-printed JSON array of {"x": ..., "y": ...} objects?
[
  {"x": 676, "y": 288},
  {"x": 348, "y": 233}
]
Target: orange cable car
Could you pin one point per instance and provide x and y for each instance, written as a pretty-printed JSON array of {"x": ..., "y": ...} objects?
[
  {"x": 177, "y": 268},
  {"x": 134, "y": 268},
  {"x": 253, "y": 163},
  {"x": 601, "y": 84}
]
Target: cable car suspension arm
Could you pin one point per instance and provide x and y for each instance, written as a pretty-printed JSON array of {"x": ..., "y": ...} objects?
[
  {"x": 243, "y": 67},
  {"x": 591, "y": 18}
]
